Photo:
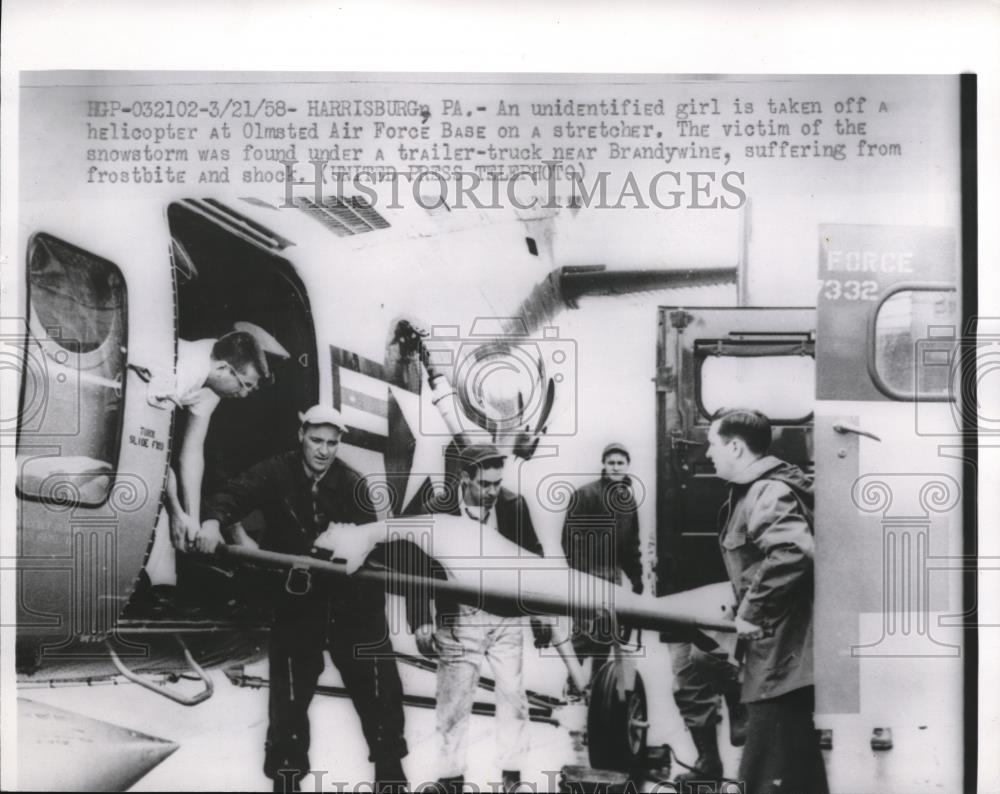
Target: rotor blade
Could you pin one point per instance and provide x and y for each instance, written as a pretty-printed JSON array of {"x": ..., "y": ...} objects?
[
  {"x": 563, "y": 287},
  {"x": 62, "y": 751},
  {"x": 580, "y": 282}
]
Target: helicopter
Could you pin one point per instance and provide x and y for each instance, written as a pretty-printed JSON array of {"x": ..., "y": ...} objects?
[{"x": 525, "y": 313}]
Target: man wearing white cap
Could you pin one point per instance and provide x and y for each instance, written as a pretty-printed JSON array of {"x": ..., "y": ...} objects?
[{"x": 300, "y": 493}]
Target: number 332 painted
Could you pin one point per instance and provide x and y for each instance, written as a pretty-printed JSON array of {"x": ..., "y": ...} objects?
[{"x": 849, "y": 290}]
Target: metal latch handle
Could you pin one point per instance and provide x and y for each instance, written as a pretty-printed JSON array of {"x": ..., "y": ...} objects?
[
  {"x": 159, "y": 390},
  {"x": 842, "y": 428},
  {"x": 143, "y": 372}
]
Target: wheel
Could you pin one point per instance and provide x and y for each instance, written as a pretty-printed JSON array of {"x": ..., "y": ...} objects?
[
  {"x": 636, "y": 723},
  {"x": 616, "y": 727}
]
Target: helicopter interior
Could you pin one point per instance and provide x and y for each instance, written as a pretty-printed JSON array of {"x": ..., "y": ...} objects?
[{"x": 224, "y": 276}]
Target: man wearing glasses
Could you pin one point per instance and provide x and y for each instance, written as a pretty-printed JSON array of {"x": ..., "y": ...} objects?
[{"x": 208, "y": 371}]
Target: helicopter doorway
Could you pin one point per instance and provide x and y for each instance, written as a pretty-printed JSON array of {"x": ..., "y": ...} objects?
[{"x": 227, "y": 271}]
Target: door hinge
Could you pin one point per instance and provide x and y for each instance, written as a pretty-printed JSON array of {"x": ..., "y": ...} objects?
[
  {"x": 665, "y": 379},
  {"x": 680, "y": 319},
  {"x": 683, "y": 444}
]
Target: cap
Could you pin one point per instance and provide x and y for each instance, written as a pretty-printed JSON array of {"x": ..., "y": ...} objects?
[
  {"x": 323, "y": 415},
  {"x": 616, "y": 446},
  {"x": 475, "y": 454}
]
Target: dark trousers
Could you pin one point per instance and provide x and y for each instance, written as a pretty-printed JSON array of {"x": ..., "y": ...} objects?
[
  {"x": 363, "y": 655},
  {"x": 593, "y": 639},
  {"x": 782, "y": 754},
  {"x": 699, "y": 678}
]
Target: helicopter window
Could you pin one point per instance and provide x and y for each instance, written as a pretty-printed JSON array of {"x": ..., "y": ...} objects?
[
  {"x": 913, "y": 343},
  {"x": 781, "y": 386},
  {"x": 71, "y": 399}
]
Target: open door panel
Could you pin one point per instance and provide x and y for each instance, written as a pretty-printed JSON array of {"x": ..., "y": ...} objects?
[{"x": 722, "y": 358}]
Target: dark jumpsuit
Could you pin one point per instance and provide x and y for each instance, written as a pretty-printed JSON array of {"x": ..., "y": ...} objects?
[
  {"x": 345, "y": 617},
  {"x": 601, "y": 537}
]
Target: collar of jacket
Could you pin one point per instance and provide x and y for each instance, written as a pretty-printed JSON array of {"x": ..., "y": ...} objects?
[
  {"x": 309, "y": 475},
  {"x": 607, "y": 481},
  {"x": 757, "y": 469},
  {"x": 327, "y": 481},
  {"x": 504, "y": 497}
]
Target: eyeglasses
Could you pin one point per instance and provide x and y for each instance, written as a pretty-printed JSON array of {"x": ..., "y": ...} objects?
[{"x": 244, "y": 386}]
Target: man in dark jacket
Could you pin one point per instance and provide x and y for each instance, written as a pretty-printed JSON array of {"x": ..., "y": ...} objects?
[
  {"x": 601, "y": 537},
  {"x": 300, "y": 493},
  {"x": 767, "y": 545}
]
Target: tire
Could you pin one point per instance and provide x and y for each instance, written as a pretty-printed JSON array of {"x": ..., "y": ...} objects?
[{"x": 616, "y": 727}]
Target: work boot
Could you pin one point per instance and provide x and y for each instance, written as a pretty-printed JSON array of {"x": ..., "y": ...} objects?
[
  {"x": 708, "y": 767},
  {"x": 510, "y": 780},
  {"x": 390, "y": 777},
  {"x": 737, "y": 717},
  {"x": 286, "y": 781},
  {"x": 451, "y": 785}
]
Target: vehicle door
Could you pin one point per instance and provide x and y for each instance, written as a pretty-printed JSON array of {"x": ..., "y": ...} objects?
[
  {"x": 710, "y": 359},
  {"x": 888, "y": 598}
]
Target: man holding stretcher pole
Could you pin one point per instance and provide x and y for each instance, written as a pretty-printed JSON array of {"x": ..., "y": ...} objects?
[
  {"x": 299, "y": 493},
  {"x": 493, "y": 569}
]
